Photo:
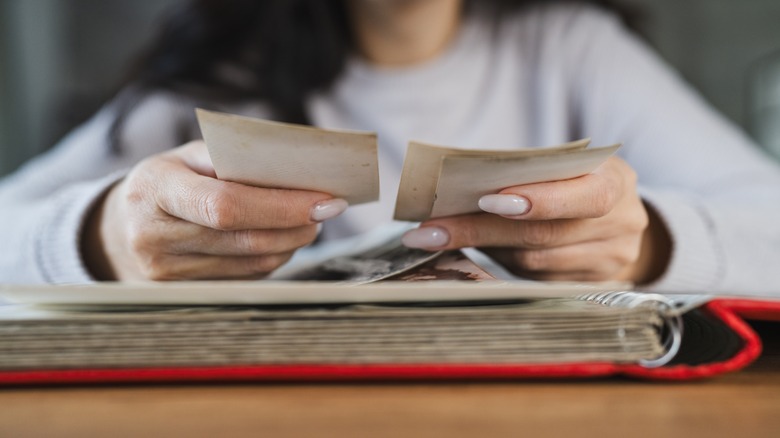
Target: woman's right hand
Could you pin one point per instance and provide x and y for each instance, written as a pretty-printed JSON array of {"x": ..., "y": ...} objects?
[{"x": 171, "y": 219}]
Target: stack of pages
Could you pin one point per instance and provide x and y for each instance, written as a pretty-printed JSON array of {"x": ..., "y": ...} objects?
[{"x": 493, "y": 332}]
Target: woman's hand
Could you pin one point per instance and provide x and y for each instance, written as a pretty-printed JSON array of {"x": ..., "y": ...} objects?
[
  {"x": 591, "y": 228},
  {"x": 171, "y": 219}
]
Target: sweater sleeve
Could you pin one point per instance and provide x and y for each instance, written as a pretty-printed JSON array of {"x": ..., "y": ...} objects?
[
  {"x": 45, "y": 202},
  {"x": 717, "y": 193}
]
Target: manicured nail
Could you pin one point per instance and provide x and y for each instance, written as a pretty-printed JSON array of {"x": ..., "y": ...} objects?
[
  {"x": 426, "y": 237},
  {"x": 504, "y": 205},
  {"x": 329, "y": 209}
]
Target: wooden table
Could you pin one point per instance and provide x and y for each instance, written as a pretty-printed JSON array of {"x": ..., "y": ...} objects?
[{"x": 744, "y": 404}]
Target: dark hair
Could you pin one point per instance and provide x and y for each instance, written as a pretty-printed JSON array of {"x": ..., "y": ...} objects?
[{"x": 277, "y": 51}]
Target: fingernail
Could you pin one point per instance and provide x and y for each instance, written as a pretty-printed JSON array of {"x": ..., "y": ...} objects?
[
  {"x": 504, "y": 205},
  {"x": 329, "y": 209},
  {"x": 426, "y": 237}
]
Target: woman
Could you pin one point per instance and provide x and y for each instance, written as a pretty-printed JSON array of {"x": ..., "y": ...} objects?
[{"x": 688, "y": 205}]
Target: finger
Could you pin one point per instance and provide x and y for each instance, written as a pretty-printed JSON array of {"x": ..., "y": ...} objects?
[
  {"x": 487, "y": 230},
  {"x": 589, "y": 196},
  {"x": 223, "y": 205},
  {"x": 195, "y": 155},
  {"x": 194, "y": 267},
  {"x": 592, "y": 261},
  {"x": 195, "y": 239}
]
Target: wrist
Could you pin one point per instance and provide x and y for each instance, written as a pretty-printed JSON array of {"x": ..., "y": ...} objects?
[
  {"x": 92, "y": 243},
  {"x": 655, "y": 251}
]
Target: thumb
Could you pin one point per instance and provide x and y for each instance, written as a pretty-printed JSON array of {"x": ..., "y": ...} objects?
[{"x": 195, "y": 155}]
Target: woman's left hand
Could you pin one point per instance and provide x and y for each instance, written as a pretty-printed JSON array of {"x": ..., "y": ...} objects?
[{"x": 591, "y": 228}]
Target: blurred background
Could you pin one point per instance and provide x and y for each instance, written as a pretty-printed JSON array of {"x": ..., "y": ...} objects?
[{"x": 61, "y": 59}]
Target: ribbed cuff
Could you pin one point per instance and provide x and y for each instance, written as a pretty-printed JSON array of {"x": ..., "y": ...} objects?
[
  {"x": 697, "y": 260},
  {"x": 58, "y": 243}
]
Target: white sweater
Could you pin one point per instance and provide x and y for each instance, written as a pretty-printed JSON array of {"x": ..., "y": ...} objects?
[{"x": 552, "y": 74}]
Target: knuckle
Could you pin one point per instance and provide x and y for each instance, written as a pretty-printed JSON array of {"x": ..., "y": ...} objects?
[
  {"x": 151, "y": 235},
  {"x": 135, "y": 192},
  {"x": 155, "y": 267},
  {"x": 261, "y": 265},
  {"x": 252, "y": 241},
  {"x": 267, "y": 264},
  {"x": 541, "y": 234},
  {"x": 629, "y": 253},
  {"x": 149, "y": 168},
  {"x": 625, "y": 257},
  {"x": 533, "y": 260},
  {"x": 220, "y": 209},
  {"x": 640, "y": 221},
  {"x": 264, "y": 242},
  {"x": 620, "y": 169},
  {"x": 143, "y": 185},
  {"x": 139, "y": 239},
  {"x": 136, "y": 187},
  {"x": 632, "y": 221}
]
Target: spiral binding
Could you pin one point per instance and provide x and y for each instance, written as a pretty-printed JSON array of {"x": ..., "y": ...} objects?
[{"x": 671, "y": 317}]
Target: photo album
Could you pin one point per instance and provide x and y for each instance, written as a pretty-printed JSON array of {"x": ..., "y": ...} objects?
[{"x": 369, "y": 308}]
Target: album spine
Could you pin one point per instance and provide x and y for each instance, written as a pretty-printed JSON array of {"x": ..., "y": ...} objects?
[{"x": 670, "y": 330}]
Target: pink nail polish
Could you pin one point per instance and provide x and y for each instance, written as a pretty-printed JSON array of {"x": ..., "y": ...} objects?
[
  {"x": 329, "y": 209},
  {"x": 504, "y": 205},
  {"x": 426, "y": 237}
]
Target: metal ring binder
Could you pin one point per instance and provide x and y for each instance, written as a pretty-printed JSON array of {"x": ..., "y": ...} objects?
[{"x": 671, "y": 318}]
